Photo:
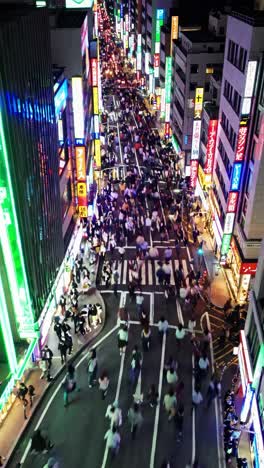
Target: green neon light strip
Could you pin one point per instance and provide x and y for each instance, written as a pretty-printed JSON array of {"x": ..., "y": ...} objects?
[
  {"x": 7, "y": 332},
  {"x": 12, "y": 271},
  {"x": 21, "y": 370}
]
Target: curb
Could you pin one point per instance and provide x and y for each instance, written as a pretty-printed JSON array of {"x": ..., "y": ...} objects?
[{"x": 49, "y": 386}]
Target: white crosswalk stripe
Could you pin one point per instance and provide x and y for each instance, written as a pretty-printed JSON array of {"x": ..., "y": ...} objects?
[{"x": 148, "y": 272}]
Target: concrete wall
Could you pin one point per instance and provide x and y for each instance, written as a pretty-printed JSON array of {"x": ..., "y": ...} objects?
[{"x": 66, "y": 50}]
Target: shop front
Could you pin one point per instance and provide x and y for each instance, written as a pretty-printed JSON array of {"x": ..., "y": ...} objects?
[
  {"x": 252, "y": 409},
  {"x": 242, "y": 272}
]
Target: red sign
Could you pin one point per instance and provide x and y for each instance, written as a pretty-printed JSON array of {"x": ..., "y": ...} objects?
[
  {"x": 241, "y": 143},
  {"x": 138, "y": 75},
  {"x": 167, "y": 129},
  {"x": 210, "y": 148},
  {"x": 156, "y": 60},
  {"x": 94, "y": 68},
  {"x": 248, "y": 268},
  {"x": 232, "y": 202},
  {"x": 193, "y": 173}
]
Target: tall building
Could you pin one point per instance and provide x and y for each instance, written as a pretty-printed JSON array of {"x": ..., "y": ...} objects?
[
  {"x": 251, "y": 365},
  {"x": 31, "y": 242},
  {"x": 196, "y": 55},
  {"x": 237, "y": 194}
]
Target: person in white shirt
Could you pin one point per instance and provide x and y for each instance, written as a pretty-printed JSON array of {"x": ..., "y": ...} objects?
[
  {"x": 122, "y": 339},
  {"x": 180, "y": 333},
  {"x": 170, "y": 403},
  {"x": 113, "y": 440},
  {"x": 114, "y": 413},
  {"x": 197, "y": 397},
  {"x": 203, "y": 364},
  {"x": 162, "y": 327},
  {"x": 139, "y": 302},
  {"x": 171, "y": 376},
  {"x": 103, "y": 384}
]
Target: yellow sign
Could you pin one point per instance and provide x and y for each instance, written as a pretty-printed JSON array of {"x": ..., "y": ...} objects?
[
  {"x": 95, "y": 100},
  {"x": 97, "y": 153},
  {"x": 81, "y": 189},
  {"x": 83, "y": 211},
  {"x": 198, "y": 103},
  {"x": 174, "y": 30},
  {"x": 201, "y": 176}
]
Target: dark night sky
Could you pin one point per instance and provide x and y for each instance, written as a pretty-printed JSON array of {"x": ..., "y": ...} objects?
[{"x": 197, "y": 11}]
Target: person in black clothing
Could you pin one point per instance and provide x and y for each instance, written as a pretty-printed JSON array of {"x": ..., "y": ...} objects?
[
  {"x": 40, "y": 443},
  {"x": 57, "y": 327},
  {"x": 47, "y": 355},
  {"x": 63, "y": 351},
  {"x": 178, "y": 418},
  {"x": 31, "y": 394}
]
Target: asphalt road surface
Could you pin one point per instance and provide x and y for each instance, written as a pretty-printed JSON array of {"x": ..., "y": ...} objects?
[{"x": 78, "y": 430}]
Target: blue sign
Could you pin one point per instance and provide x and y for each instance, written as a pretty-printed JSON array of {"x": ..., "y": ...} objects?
[
  {"x": 121, "y": 10},
  {"x": 236, "y": 176},
  {"x": 29, "y": 109},
  {"x": 60, "y": 98},
  {"x": 160, "y": 14},
  {"x": 186, "y": 139}
]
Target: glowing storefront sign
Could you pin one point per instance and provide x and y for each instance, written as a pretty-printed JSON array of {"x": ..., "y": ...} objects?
[
  {"x": 160, "y": 14},
  {"x": 232, "y": 202},
  {"x": 247, "y": 403},
  {"x": 198, "y": 103},
  {"x": 14, "y": 263},
  {"x": 94, "y": 67},
  {"x": 241, "y": 143},
  {"x": 193, "y": 173},
  {"x": 96, "y": 124},
  {"x": 95, "y": 100},
  {"x": 174, "y": 27},
  {"x": 84, "y": 36},
  {"x": 168, "y": 77},
  {"x": 81, "y": 189},
  {"x": 147, "y": 57},
  {"x": 156, "y": 60},
  {"x": 60, "y": 98},
  {"x": 210, "y": 147},
  {"x": 79, "y": 3},
  {"x": 250, "y": 79},
  {"x": 196, "y": 139},
  {"x": 83, "y": 211},
  {"x": 229, "y": 223},
  {"x": 226, "y": 239},
  {"x": 97, "y": 154},
  {"x": 78, "y": 114},
  {"x": 139, "y": 52},
  {"x": 236, "y": 176},
  {"x": 248, "y": 268},
  {"x": 80, "y": 163}
]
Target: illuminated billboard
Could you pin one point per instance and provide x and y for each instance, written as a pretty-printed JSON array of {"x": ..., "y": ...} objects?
[
  {"x": 196, "y": 139},
  {"x": 79, "y": 3},
  {"x": 198, "y": 103},
  {"x": 80, "y": 163},
  {"x": 78, "y": 113},
  {"x": 210, "y": 147},
  {"x": 60, "y": 98},
  {"x": 193, "y": 173}
]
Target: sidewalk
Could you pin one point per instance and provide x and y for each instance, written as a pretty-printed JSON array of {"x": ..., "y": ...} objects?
[{"x": 14, "y": 424}]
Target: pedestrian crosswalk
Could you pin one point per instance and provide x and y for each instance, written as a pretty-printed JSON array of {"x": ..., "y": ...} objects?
[{"x": 147, "y": 272}]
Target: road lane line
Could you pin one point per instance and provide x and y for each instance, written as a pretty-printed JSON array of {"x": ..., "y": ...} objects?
[
  {"x": 43, "y": 414},
  {"x": 121, "y": 370},
  {"x": 193, "y": 416},
  {"x": 157, "y": 413},
  {"x": 179, "y": 312},
  {"x": 150, "y": 278},
  {"x": 151, "y": 317},
  {"x": 217, "y": 402},
  {"x": 125, "y": 272}
]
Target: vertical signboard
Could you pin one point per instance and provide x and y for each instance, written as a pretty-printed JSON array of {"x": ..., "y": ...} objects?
[
  {"x": 81, "y": 180},
  {"x": 77, "y": 104},
  {"x": 159, "y": 23},
  {"x": 96, "y": 134},
  {"x": 168, "y": 78},
  {"x": 139, "y": 52},
  {"x": 11, "y": 247},
  {"x": 174, "y": 30},
  {"x": 210, "y": 150},
  {"x": 198, "y": 108}
]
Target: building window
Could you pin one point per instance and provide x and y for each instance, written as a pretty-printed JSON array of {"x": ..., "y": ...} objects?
[
  {"x": 209, "y": 69},
  {"x": 237, "y": 56},
  {"x": 253, "y": 341},
  {"x": 225, "y": 159},
  {"x": 194, "y": 68},
  {"x": 193, "y": 86},
  {"x": 221, "y": 181},
  {"x": 229, "y": 131},
  {"x": 232, "y": 97},
  {"x": 248, "y": 182},
  {"x": 206, "y": 87}
]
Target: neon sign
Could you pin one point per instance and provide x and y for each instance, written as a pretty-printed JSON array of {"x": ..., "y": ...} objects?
[
  {"x": 80, "y": 163},
  {"x": 78, "y": 115},
  {"x": 210, "y": 148},
  {"x": 198, "y": 103},
  {"x": 193, "y": 173},
  {"x": 229, "y": 223},
  {"x": 94, "y": 67},
  {"x": 241, "y": 143},
  {"x": 232, "y": 202},
  {"x": 236, "y": 176},
  {"x": 60, "y": 98},
  {"x": 196, "y": 139}
]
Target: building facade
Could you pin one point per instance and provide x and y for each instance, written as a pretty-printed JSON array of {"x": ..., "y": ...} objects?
[
  {"x": 31, "y": 240},
  {"x": 238, "y": 170},
  {"x": 196, "y": 55}
]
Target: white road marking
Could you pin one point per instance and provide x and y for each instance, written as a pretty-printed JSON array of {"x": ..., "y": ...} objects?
[
  {"x": 124, "y": 273},
  {"x": 44, "y": 412},
  {"x": 217, "y": 403},
  {"x": 143, "y": 274},
  {"x": 157, "y": 413},
  {"x": 150, "y": 278},
  {"x": 179, "y": 312},
  {"x": 151, "y": 315}
]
